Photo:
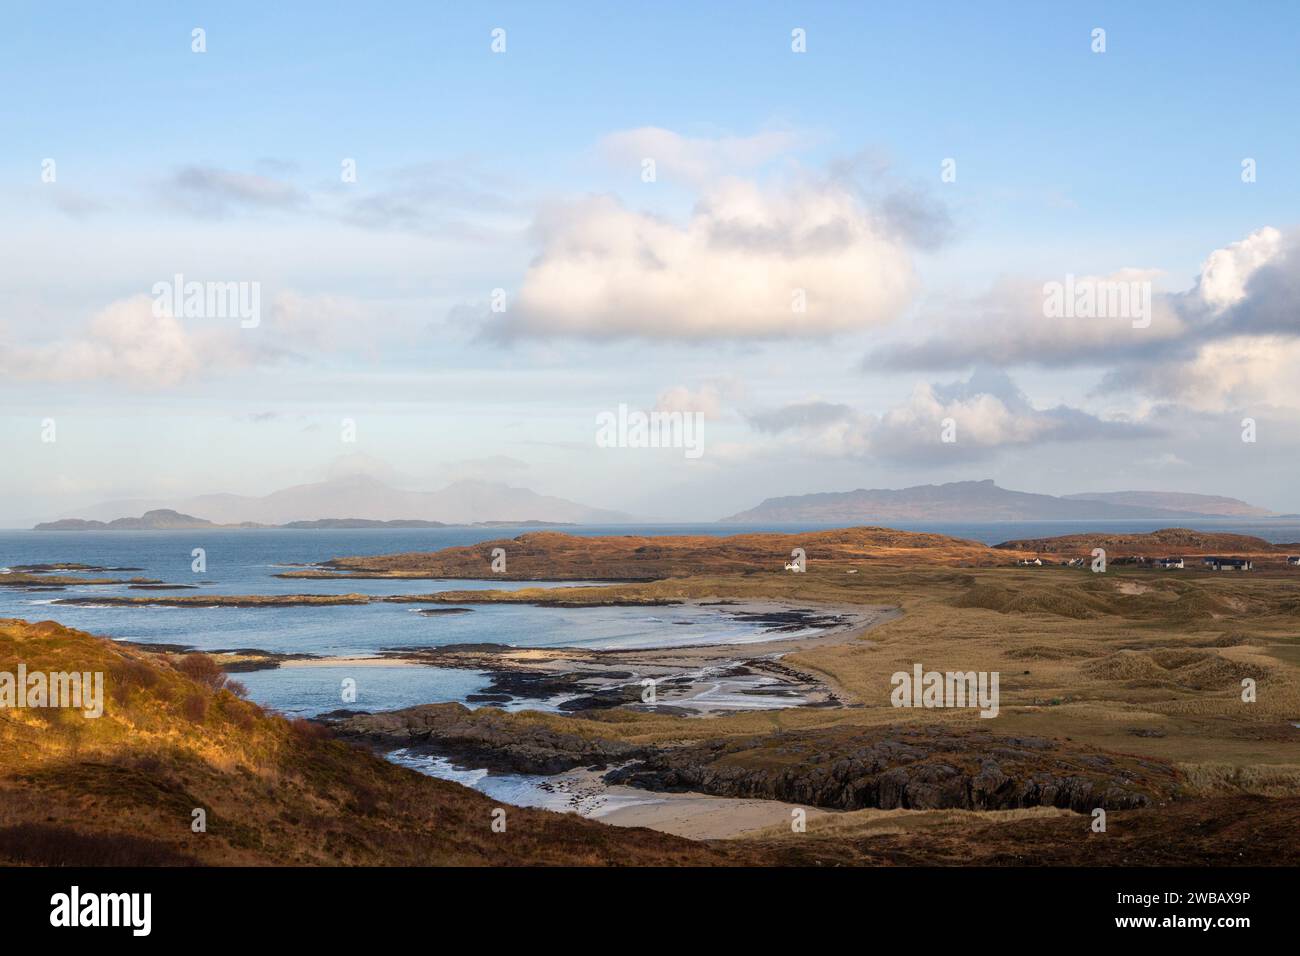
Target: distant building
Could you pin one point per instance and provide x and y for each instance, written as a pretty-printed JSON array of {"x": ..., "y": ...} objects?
[
  {"x": 1027, "y": 562},
  {"x": 1229, "y": 564},
  {"x": 1171, "y": 563},
  {"x": 1294, "y": 561}
]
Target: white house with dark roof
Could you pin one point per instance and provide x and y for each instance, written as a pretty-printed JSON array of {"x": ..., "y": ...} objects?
[{"x": 1229, "y": 564}]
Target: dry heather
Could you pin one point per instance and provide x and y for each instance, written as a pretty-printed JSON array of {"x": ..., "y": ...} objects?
[
  {"x": 552, "y": 556},
  {"x": 1236, "y": 831},
  {"x": 120, "y": 789},
  {"x": 1180, "y": 542}
]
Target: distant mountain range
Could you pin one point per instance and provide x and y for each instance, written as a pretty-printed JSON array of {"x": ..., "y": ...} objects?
[
  {"x": 985, "y": 501},
  {"x": 363, "y": 498},
  {"x": 363, "y": 502},
  {"x": 164, "y": 519}
]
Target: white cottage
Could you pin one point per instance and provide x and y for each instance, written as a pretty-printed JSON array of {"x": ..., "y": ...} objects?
[{"x": 1229, "y": 564}]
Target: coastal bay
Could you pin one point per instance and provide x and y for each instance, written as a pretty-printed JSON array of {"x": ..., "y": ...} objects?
[{"x": 761, "y": 676}]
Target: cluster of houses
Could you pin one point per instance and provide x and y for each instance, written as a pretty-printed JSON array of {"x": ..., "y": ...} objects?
[
  {"x": 1085, "y": 562},
  {"x": 1213, "y": 563}
]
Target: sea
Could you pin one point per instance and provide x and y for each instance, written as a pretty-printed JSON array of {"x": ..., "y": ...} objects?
[{"x": 246, "y": 561}]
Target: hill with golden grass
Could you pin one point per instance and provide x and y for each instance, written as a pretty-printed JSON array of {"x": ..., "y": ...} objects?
[
  {"x": 1180, "y": 542},
  {"x": 554, "y": 556},
  {"x": 176, "y": 736}
]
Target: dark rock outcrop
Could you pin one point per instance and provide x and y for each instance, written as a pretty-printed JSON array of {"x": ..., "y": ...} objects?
[{"x": 919, "y": 769}]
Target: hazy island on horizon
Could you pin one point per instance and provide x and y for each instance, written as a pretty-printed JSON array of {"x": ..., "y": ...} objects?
[
  {"x": 370, "y": 503},
  {"x": 163, "y": 519}
]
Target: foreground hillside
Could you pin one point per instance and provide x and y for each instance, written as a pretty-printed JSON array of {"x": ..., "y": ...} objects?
[{"x": 121, "y": 789}]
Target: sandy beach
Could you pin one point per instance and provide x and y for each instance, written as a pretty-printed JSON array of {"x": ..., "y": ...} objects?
[{"x": 698, "y": 816}]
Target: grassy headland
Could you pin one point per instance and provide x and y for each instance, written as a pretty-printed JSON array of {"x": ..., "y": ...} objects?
[{"x": 554, "y": 556}]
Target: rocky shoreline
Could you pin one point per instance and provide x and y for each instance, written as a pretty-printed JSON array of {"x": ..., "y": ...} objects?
[
  {"x": 481, "y": 738},
  {"x": 913, "y": 768},
  {"x": 232, "y": 660},
  {"x": 687, "y": 680},
  {"x": 831, "y": 768},
  {"x": 40, "y": 581},
  {"x": 328, "y": 600}
]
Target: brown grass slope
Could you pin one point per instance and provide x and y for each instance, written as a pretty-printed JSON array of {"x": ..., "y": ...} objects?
[
  {"x": 1241, "y": 831},
  {"x": 1184, "y": 542},
  {"x": 551, "y": 555},
  {"x": 120, "y": 789}
]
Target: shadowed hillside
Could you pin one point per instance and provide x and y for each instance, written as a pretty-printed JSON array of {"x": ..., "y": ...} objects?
[{"x": 175, "y": 736}]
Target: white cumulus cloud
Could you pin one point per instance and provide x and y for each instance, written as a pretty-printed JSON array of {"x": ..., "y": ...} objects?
[
  {"x": 983, "y": 414},
  {"x": 750, "y": 262},
  {"x": 125, "y": 342},
  {"x": 1226, "y": 271}
]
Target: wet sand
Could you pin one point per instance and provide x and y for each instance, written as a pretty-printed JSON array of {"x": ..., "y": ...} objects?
[
  {"x": 694, "y": 680},
  {"x": 698, "y": 816},
  {"x": 351, "y": 662}
]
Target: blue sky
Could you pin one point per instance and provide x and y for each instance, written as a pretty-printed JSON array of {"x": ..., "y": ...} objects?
[
  {"x": 1011, "y": 90},
  {"x": 474, "y": 167}
]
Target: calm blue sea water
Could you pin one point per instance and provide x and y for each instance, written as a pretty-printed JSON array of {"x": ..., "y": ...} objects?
[{"x": 245, "y": 562}]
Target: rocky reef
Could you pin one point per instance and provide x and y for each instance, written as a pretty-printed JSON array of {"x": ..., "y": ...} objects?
[{"x": 914, "y": 768}]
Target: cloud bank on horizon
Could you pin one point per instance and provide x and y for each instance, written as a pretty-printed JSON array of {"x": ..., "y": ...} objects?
[{"x": 843, "y": 301}]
